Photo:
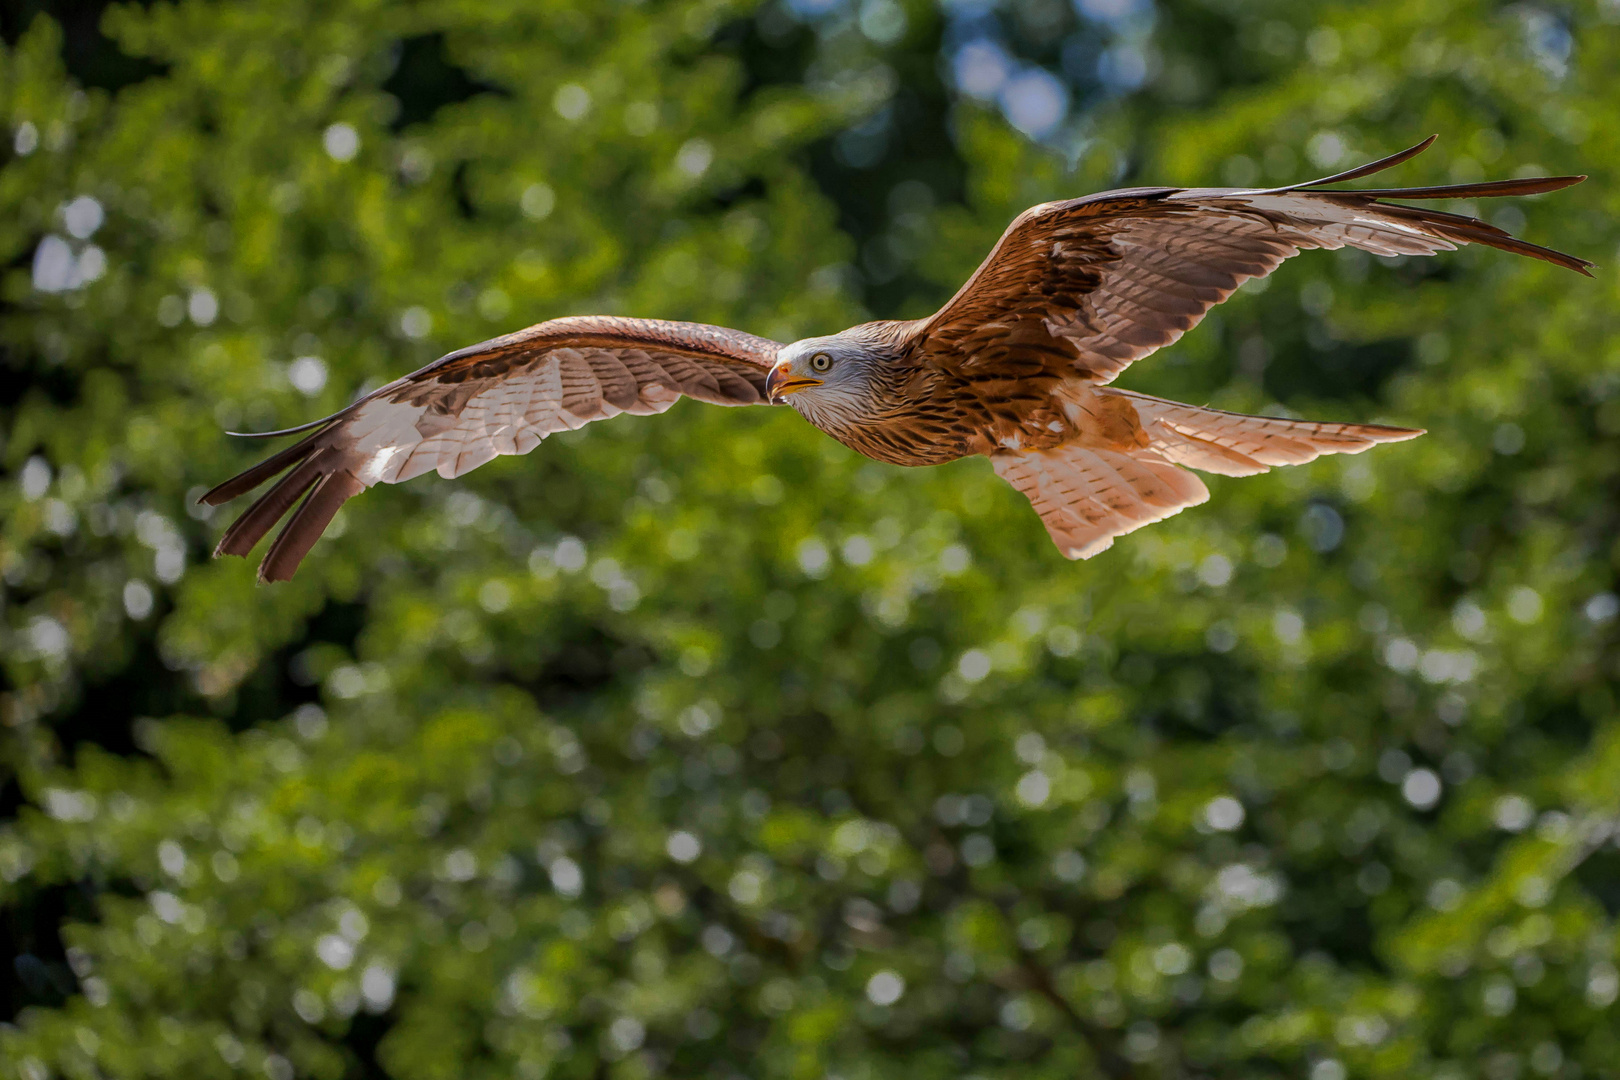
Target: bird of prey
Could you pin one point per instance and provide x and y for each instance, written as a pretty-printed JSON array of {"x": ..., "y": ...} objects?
[{"x": 1015, "y": 367}]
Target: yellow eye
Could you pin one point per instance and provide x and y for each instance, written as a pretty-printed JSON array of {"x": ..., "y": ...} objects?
[{"x": 820, "y": 362}]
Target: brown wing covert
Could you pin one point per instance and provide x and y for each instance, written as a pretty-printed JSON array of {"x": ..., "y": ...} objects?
[{"x": 1097, "y": 283}]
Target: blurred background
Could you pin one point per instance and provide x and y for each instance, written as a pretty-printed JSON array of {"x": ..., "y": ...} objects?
[{"x": 695, "y": 745}]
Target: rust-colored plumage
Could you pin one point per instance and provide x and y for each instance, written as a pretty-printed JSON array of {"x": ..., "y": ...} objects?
[{"x": 1014, "y": 367}]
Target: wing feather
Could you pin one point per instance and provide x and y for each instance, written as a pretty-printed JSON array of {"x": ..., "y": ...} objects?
[
  {"x": 501, "y": 397},
  {"x": 1117, "y": 276},
  {"x": 581, "y": 390},
  {"x": 619, "y": 387}
]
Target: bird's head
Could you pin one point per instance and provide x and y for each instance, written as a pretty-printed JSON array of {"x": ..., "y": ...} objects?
[{"x": 824, "y": 378}]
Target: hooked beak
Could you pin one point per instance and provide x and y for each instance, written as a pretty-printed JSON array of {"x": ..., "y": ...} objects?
[{"x": 781, "y": 382}]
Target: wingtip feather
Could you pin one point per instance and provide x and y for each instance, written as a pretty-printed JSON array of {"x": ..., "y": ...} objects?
[
  {"x": 1384, "y": 433},
  {"x": 307, "y": 524},
  {"x": 1368, "y": 169},
  {"x": 250, "y": 478}
]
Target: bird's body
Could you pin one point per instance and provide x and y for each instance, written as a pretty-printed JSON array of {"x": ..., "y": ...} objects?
[
  {"x": 1015, "y": 367},
  {"x": 923, "y": 414}
]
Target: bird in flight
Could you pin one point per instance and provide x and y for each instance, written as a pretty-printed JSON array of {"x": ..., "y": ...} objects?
[{"x": 1015, "y": 367}]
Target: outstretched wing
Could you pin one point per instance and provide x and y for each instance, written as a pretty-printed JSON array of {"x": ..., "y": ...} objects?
[
  {"x": 1103, "y": 281},
  {"x": 500, "y": 397}
]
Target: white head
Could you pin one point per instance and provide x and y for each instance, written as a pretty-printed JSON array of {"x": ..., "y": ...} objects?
[{"x": 828, "y": 380}]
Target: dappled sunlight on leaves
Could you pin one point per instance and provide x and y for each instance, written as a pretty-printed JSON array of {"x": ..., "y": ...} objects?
[{"x": 695, "y": 744}]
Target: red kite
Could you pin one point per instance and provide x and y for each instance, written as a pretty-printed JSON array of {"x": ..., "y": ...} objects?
[{"x": 1015, "y": 366}]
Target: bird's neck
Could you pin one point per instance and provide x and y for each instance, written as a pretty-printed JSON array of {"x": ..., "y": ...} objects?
[{"x": 880, "y": 423}]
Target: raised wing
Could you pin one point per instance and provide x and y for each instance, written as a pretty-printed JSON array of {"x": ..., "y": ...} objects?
[
  {"x": 500, "y": 397},
  {"x": 1103, "y": 281}
]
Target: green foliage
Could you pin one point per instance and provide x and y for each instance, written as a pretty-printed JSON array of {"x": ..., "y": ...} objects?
[{"x": 695, "y": 745}]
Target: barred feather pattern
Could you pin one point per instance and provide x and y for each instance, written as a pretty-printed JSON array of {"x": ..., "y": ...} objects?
[
  {"x": 1105, "y": 280},
  {"x": 1232, "y": 444},
  {"x": 501, "y": 397},
  {"x": 1014, "y": 366},
  {"x": 1086, "y": 497}
]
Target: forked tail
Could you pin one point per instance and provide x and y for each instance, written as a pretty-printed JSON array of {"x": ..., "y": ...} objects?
[{"x": 1086, "y": 496}]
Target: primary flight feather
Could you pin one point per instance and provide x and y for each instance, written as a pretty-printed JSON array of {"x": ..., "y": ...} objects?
[{"x": 1014, "y": 367}]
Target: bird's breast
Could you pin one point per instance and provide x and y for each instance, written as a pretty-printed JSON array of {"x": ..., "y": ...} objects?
[
  {"x": 954, "y": 420},
  {"x": 917, "y": 438}
]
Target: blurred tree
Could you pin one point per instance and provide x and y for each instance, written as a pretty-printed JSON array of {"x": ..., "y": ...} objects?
[{"x": 695, "y": 745}]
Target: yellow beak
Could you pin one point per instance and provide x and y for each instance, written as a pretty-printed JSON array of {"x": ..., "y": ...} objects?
[{"x": 781, "y": 382}]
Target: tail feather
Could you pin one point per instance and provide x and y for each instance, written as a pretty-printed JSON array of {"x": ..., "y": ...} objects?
[
  {"x": 1233, "y": 444},
  {"x": 1087, "y": 497}
]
